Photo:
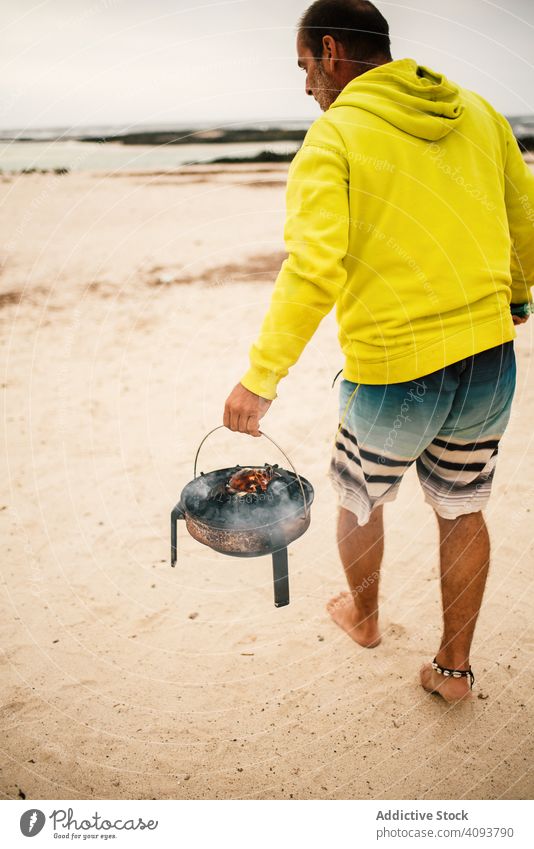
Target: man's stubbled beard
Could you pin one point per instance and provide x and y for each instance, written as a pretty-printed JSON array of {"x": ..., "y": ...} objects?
[{"x": 322, "y": 87}]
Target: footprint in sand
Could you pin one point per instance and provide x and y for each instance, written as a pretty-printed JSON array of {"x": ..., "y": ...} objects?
[
  {"x": 151, "y": 619},
  {"x": 395, "y": 631}
]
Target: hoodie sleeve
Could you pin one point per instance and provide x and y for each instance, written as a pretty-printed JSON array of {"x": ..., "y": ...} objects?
[
  {"x": 519, "y": 197},
  {"x": 310, "y": 279}
]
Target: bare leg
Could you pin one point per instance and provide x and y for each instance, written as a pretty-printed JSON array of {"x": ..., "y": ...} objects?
[
  {"x": 464, "y": 560},
  {"x": 361, "y": 548}
]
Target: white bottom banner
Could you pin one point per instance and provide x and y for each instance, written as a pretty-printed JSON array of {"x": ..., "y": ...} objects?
[{"x": 268, "y": 824}]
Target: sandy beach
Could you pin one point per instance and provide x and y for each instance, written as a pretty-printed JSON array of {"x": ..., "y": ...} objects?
[{"x": 128, "y": 304}]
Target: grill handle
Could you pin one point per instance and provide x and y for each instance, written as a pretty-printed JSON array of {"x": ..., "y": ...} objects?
[{"x": 276, "y": 445}]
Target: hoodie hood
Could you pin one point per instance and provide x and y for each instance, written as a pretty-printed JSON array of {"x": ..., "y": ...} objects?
[{"x": 413, "y": 98}]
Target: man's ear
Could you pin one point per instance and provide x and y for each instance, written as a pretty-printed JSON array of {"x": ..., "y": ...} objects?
[{"x": 330, "y": 52}]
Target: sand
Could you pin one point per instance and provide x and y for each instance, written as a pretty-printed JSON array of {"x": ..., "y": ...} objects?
[{"x": 128, "y": 305}]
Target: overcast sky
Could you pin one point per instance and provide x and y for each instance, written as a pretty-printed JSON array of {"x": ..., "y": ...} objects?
[{"x": 87, "y": 62}]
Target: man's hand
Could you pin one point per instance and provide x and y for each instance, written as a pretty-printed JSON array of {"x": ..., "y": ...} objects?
[
  {"x": 517, "y": 319},
  {"x": 243, "y": 411}
]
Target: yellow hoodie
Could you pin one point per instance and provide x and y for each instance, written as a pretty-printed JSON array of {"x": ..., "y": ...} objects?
[{"x": 410, "y": 207}]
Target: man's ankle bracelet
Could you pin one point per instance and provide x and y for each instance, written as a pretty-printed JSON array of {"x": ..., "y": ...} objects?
[{"x": 454, "y": 673}]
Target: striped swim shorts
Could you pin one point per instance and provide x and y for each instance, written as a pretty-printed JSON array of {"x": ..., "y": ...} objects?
[{"x": 448, "y": 422}]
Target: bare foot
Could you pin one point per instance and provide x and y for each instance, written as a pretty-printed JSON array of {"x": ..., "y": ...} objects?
[
  {"x": 450, "y": 689},
  {"x": 342, "y": 609}
]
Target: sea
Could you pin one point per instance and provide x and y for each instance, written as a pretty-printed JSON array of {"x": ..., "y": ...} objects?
[{"x": 61, "y": 148}]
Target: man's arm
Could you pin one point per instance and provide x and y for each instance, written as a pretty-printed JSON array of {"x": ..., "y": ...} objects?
[
  {"x": 519, "y": 197},
  {"x": 310, "y": 279}
]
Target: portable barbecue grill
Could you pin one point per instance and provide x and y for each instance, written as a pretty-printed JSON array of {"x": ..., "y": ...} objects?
[{"x": 246, "y": 512}]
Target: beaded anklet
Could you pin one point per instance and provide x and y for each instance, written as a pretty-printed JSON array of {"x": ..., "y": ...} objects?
[{"x": 454, "y": 673}]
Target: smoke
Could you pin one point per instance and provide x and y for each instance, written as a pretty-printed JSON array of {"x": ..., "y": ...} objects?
[{"x": 207, "y": 499}]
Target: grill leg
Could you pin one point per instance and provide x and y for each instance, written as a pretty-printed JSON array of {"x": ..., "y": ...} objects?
[
  {"x": 176, "y": 514},
  {"x": 280, "y": 578}
]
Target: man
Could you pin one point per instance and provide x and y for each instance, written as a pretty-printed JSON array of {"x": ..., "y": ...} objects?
[{"x": 410, "y": 207}]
